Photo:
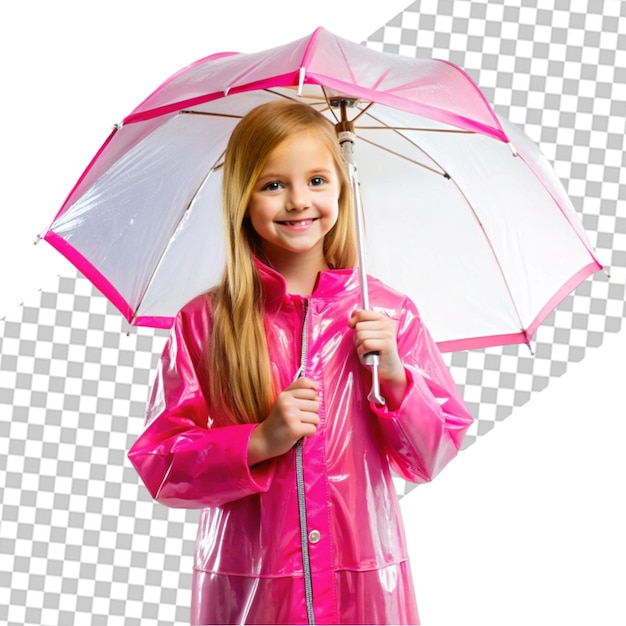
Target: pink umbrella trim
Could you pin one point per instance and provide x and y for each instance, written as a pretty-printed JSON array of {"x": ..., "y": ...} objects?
[
  {"x": 524, "y": 336},
  {"x": 90, "y": 272}
]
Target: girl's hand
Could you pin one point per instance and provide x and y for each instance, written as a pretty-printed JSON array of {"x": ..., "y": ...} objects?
[
  {"x": 375, "y": 332},
  {"x": 295, "y": 414}
]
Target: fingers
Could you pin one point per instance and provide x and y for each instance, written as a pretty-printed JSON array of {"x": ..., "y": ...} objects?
[
  {"x": 295, "y": 411},
  {"x": 295, "y": 414},
  {"x": 364, "y": 315},
  {"x": 298, "y": 405},
  {"x": 374, "y": 332},
  {"x": 304, "y": 387},
  {"x": 373, "y": 322},
  {"x": 303, "y": 396}
]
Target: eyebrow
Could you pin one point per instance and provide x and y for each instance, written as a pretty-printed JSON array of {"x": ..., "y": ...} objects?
[
  {"x": 322, "y": 170},
  {"x": 312, "y": 172}
]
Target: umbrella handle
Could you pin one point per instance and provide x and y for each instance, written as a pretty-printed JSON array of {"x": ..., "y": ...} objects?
[
  {"x": 372, "y": 359},
  {"x": 346, "y": 139}
]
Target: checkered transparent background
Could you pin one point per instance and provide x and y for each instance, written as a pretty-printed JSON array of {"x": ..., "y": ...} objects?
[{"x": 81, "y": 542}]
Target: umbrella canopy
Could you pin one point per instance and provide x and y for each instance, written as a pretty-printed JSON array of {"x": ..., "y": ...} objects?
[{"x": 462, "y": 212}]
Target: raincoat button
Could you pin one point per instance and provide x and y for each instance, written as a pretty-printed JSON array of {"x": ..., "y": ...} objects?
[{"x": 314, "y": 536}]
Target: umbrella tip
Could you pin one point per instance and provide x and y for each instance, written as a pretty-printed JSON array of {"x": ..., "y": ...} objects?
[
  {"x": 301, "y": 78},
  {"x": 527, "y": 342}
]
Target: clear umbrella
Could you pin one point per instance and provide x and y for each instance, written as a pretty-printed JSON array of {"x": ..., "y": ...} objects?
[{"x": 460, "y": 209}]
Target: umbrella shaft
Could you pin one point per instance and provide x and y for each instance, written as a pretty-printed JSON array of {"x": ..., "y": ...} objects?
[
  {"x": 346, "y": 139},
  {"x": 360, "y": 234}
]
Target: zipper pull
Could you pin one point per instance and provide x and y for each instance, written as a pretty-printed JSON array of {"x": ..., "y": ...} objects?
[{"x": 299, "y": 374}]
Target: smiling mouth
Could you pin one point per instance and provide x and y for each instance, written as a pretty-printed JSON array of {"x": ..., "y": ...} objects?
[{"x": 305, "y": 222}]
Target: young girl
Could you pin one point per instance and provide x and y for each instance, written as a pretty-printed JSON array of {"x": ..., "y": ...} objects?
[{"x": 259, "y": 413}]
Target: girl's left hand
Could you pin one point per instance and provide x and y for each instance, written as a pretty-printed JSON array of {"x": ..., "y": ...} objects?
[{"x": 375, "y": 332}]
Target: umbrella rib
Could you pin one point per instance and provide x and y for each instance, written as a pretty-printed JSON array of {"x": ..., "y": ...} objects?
[
  {"x": 362, "y": 111},
  {"x": 418, "y": 129},
  {"x": 210, "y": 114},
  {"x": 332, "y": 108},
  {"x": 328, "y": 107},
  {"x": 415, "y": 145},
  {"x": 497, "y": 260},
  {"x": 405, "y": 158},
  {"x": 302, "y": 97},
  {"x": 216, "y": 165}
]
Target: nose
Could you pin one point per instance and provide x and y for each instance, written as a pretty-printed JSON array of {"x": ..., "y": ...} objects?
[{"x": 298, "y": 199}]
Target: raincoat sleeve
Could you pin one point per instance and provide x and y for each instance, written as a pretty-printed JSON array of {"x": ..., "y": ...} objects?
[
  {"x": 427, "y": 429},
  {"x": 182, "y": 457}
]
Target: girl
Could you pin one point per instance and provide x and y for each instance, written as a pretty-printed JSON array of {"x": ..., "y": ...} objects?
[{"x": 259, "y": 414}]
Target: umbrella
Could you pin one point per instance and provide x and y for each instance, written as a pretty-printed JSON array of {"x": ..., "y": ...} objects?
[{"x": 462, "y": 211}]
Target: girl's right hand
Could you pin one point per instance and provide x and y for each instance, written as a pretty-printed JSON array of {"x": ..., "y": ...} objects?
[{"x": 295, "y": 414}]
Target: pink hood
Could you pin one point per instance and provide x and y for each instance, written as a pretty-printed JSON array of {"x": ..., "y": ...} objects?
[{"x": 248, "y": 562}]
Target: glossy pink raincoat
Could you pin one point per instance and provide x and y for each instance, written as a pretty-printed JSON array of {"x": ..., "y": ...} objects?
[{"x": 249, "y": 557}]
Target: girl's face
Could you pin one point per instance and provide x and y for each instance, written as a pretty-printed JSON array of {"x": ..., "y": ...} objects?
[{"x": 294, "y": 203}]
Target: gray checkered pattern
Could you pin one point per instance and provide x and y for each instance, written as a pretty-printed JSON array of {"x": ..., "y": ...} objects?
[{"x": 81, "y": 542}]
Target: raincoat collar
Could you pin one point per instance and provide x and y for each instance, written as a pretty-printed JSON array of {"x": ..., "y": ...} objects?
[{"x": 330, "y": 284}]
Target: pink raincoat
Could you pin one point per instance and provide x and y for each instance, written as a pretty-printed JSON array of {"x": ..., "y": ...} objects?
[{"x": 260, "y": 558}]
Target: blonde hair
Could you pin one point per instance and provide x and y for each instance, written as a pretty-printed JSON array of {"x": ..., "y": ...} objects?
[{"x": 240, "y": 381}]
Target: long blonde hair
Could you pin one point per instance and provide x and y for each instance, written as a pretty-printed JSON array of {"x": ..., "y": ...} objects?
[{"x": 240, "y": 380}]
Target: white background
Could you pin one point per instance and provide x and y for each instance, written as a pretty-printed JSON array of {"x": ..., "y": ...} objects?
[{"x": 527, "y": 525}]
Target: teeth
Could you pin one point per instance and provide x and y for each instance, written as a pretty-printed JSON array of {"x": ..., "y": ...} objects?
[{"x": 297, "y": 222}]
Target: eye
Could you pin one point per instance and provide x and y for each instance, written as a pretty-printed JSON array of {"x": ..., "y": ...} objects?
[
  {"x": 316, "y": 181},
  {"x": 272, "y": 186}
]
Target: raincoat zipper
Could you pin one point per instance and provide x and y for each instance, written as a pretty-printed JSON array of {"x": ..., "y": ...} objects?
[{"x": 304, "y": 533}]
